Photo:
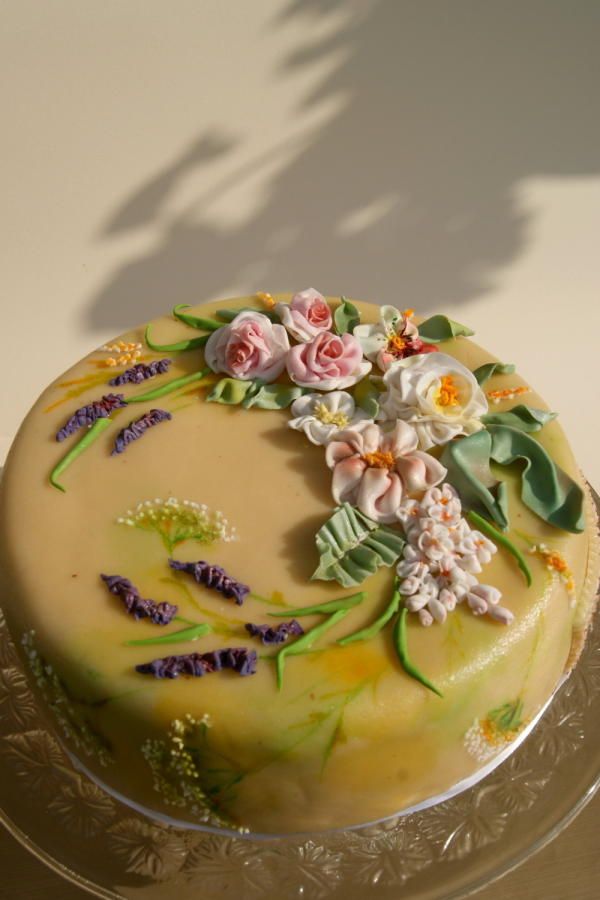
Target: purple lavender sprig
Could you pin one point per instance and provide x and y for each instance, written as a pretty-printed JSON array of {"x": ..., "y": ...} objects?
[
  {"x": 239, "y": 659},
  {"x": 138, "y": 427},
  {"x": 270, "y": 635},
  {"x": 141, "y": 372},
  {"x": 87, "y": 415},
  {"x": 213, "y": 577},
  {"x": 136, "y": 606}
]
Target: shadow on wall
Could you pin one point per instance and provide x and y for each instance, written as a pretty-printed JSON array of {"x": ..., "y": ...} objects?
[{"x": 408, "y": 193}]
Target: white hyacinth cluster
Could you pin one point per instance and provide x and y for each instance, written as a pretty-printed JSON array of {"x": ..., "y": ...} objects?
[{"x": 441, "y": 559}]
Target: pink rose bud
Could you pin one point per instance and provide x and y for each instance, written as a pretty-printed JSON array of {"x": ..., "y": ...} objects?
[
  {"x": 249, "y": 347},
  {"x": 329, "y": 362},
  {"x": 306, "y": 316}
]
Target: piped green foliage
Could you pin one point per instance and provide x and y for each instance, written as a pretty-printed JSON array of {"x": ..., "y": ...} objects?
[
  {"x": 305, "y": 642},
  {"x": 88, "y": 438},
  {"x": 351, "y": 547},
  {"x": 401, "y": 647},
  {"x": 545, "y": 488},
  {"x": 170, "y": 387},
  {"x": 346, "y": 317},
  {"x": 229, "y": 391},
  {"x": 497, "y": 536},
  {"x": 330, "y": 606},
  {"x": 178, "y": 346},
  {"x": 441, "y": 328},
  {"x": 372, "y": 630},
  {"x": 484, "y": 373},
  {"x": 524, "y": 418},
  {"x": 174, "y": 637},
  {"x": 194, "y": 321}
]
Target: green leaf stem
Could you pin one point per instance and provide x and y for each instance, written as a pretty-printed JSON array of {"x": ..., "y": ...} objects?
[
  {"x": 190, "y": 344},
  {"x": 88, "y": 438},
  {"x": 194, "y": 321},
  {"x": 330, "y": 606},
  {"x": 306, "y": 642},
  {"x": 401, "y": 647},
  {"x": 497, "y": 536},
  {"x": 484, "y": 373},
  {"x": 169, "y": 387},
  {"x": 346, "y": 317},
  {"x": 371, "y": 631}
]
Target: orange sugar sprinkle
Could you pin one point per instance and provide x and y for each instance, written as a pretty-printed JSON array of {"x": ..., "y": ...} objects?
[
  {"x": 266, "y": 299},
  {"x": 408, "y": 313},
  {"x": 507, "y": 393}
]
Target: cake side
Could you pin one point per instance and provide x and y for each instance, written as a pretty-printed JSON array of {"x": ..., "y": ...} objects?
[{"x": 350, "y": 736}]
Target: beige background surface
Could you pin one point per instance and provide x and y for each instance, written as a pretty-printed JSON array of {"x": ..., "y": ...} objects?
[{"x": 444, "y": 156}]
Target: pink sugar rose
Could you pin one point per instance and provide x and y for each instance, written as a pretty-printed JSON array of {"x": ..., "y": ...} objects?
[
  {"x": 306, "y": 315},
  {"x": 249, "y": 347},
  {"x": 329, "y": 362}
]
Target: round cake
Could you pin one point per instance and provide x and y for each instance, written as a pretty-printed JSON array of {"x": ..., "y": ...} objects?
[{"x": 291, "y": 563}]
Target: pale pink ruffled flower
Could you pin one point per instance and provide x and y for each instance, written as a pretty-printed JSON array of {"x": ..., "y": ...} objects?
[
  {"x": 249, "y": 347},
  {"x": 373, "y": 470},
  {"x": 329, "y": 362},
  {"x": 306, "y": 315}
]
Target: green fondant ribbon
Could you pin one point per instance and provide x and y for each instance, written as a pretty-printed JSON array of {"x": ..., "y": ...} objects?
[
  {"x": 441, "y": 328},
  {"x": 330, "y": 606},
  {"x": 88, "y": 438},
  {"x": 401, "y": 647},
  {"x": 346, "y": 317},
  {"x": 190, "y": 344},
  {"x": 170, "y": 387},
  {"x": 545, "y": 488},
  {"x": 525, "y": 418},
  {"x": 194, "y": 321},
  {"x": 306, "y": 642},
  {"x": 371, "y": 631},
  {"x": 497, "y": 536},
  {"x": 351, "y": 547},
  {"x": 175, "y": 637},
  {"x": 484, "y": 373},
  {"x": 235, "y": 392}
]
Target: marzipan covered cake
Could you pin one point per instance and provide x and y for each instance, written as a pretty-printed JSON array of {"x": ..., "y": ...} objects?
[{"x": 292, "y": 563}]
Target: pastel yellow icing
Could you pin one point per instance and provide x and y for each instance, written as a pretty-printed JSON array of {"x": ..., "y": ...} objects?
[{"x": 351, "y": 737}]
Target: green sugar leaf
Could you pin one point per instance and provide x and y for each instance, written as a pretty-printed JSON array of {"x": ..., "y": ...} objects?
[
  {"x": 330, "y": 606},
  {"x": 441, "y": 328},
  {"x": 175, "y": 637},
  {"x": 305, "y": 642},
  {"x": 493, "y": 533},
  {"x": 194, "y": 321},
  {"x": 401, "y": 646},
  {"x": 274, "y": 396},
  {"x": 191, "y": 344},
  {"x": 346, "y": 317},
  {"x": 484, "y": 373},
  {"x": 366, "y": 396},
  {"x": 230, "y": 391},
  {"x": 228, "y": 315},
  {"x": 88, "y": 438},
  {"x": 545, "y": 488},
  {"x": 352, "y": 547},
  {"x": 371, "y": 631},
  {"x": 524, "y": 418},
  {"x": 169, "y": 387}
]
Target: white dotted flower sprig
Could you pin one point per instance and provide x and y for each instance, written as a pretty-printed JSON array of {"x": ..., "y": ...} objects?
[
  {"x": 441, "y": 558},
  {"x": 179, "y": 520}
]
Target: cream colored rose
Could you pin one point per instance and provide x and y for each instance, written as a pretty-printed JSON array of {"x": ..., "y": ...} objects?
[{"x": 435, "y": 393}]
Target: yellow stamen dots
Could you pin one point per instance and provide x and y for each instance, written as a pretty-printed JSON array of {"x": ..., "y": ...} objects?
[
  {"x": 379, "y": 460},
  {"x": 396, "y": 344},
  {"x": 507, "y": 394},
  {"x": 327, "y": 417},
  {"x": 408, "y": 313},
  {"x": 448, "y": 392},
  {"x": 557, "y": 564},
  {"x": 266, "y": 299},
  {"x": 129, "y": 352}
]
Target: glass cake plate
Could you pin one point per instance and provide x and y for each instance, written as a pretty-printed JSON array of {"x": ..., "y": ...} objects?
[{"x": 449, "y": 850}]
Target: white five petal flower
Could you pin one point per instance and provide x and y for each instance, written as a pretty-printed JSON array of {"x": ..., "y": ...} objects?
[{"x": 323, "y": 416}]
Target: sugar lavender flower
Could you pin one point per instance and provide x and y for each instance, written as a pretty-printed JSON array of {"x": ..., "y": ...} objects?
[
  {"x": 87, "y": 415},
  {"x": 213, "y": 577},
  {"x": 251, "y": 346},
  {"x": 329, "y": 362},
  {"x": 394, "y": 337},
  {"x": 374, "y": 470},
  {"x": 306, "y": 315},
  {"x": 270, "y": 634},
  {"x": 239, "y": 659},
  {"x": 141, "y": 372},
  {"x": 138, "y": 427},
  {"x": 138, "y": 607}
]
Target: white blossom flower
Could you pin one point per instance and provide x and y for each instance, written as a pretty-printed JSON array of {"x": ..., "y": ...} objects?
[
  {"x": 394, "y": 337},
  {"x": 322, "y": 416},
  {"x": 435, "y": 393}
]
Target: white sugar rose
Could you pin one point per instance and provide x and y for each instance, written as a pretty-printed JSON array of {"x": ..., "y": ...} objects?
[
  {"x": 249, "y": 347},
  {"x": 435, "y": 393},
  {"x": 306, "y": 315},
  {"x": 322, "y": 416}
]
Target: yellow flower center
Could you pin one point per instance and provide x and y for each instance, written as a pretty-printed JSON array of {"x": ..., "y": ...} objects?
[
  {"x": 448, "y": 392},
  {"x": 396, "y": 344},
  {"x": 379, "y": 460},
  {"x": 327, "y": 417}
]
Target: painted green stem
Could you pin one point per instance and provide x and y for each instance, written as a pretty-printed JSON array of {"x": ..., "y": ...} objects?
[
  {"x": 331, "y": 606},
  {"x": 401, "y": 645},
  {"x": 175, "y": 637},
  {"x": 194, "y": 321},
  {"x": 170, "y": 386},
  {"x": 88, "y": 438},
  {"x": 365, "y": 634},
  {"x": 190, "y": 344},
  {"x": 306, "y": 641},
  {"x": 501, "y": 539}
]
